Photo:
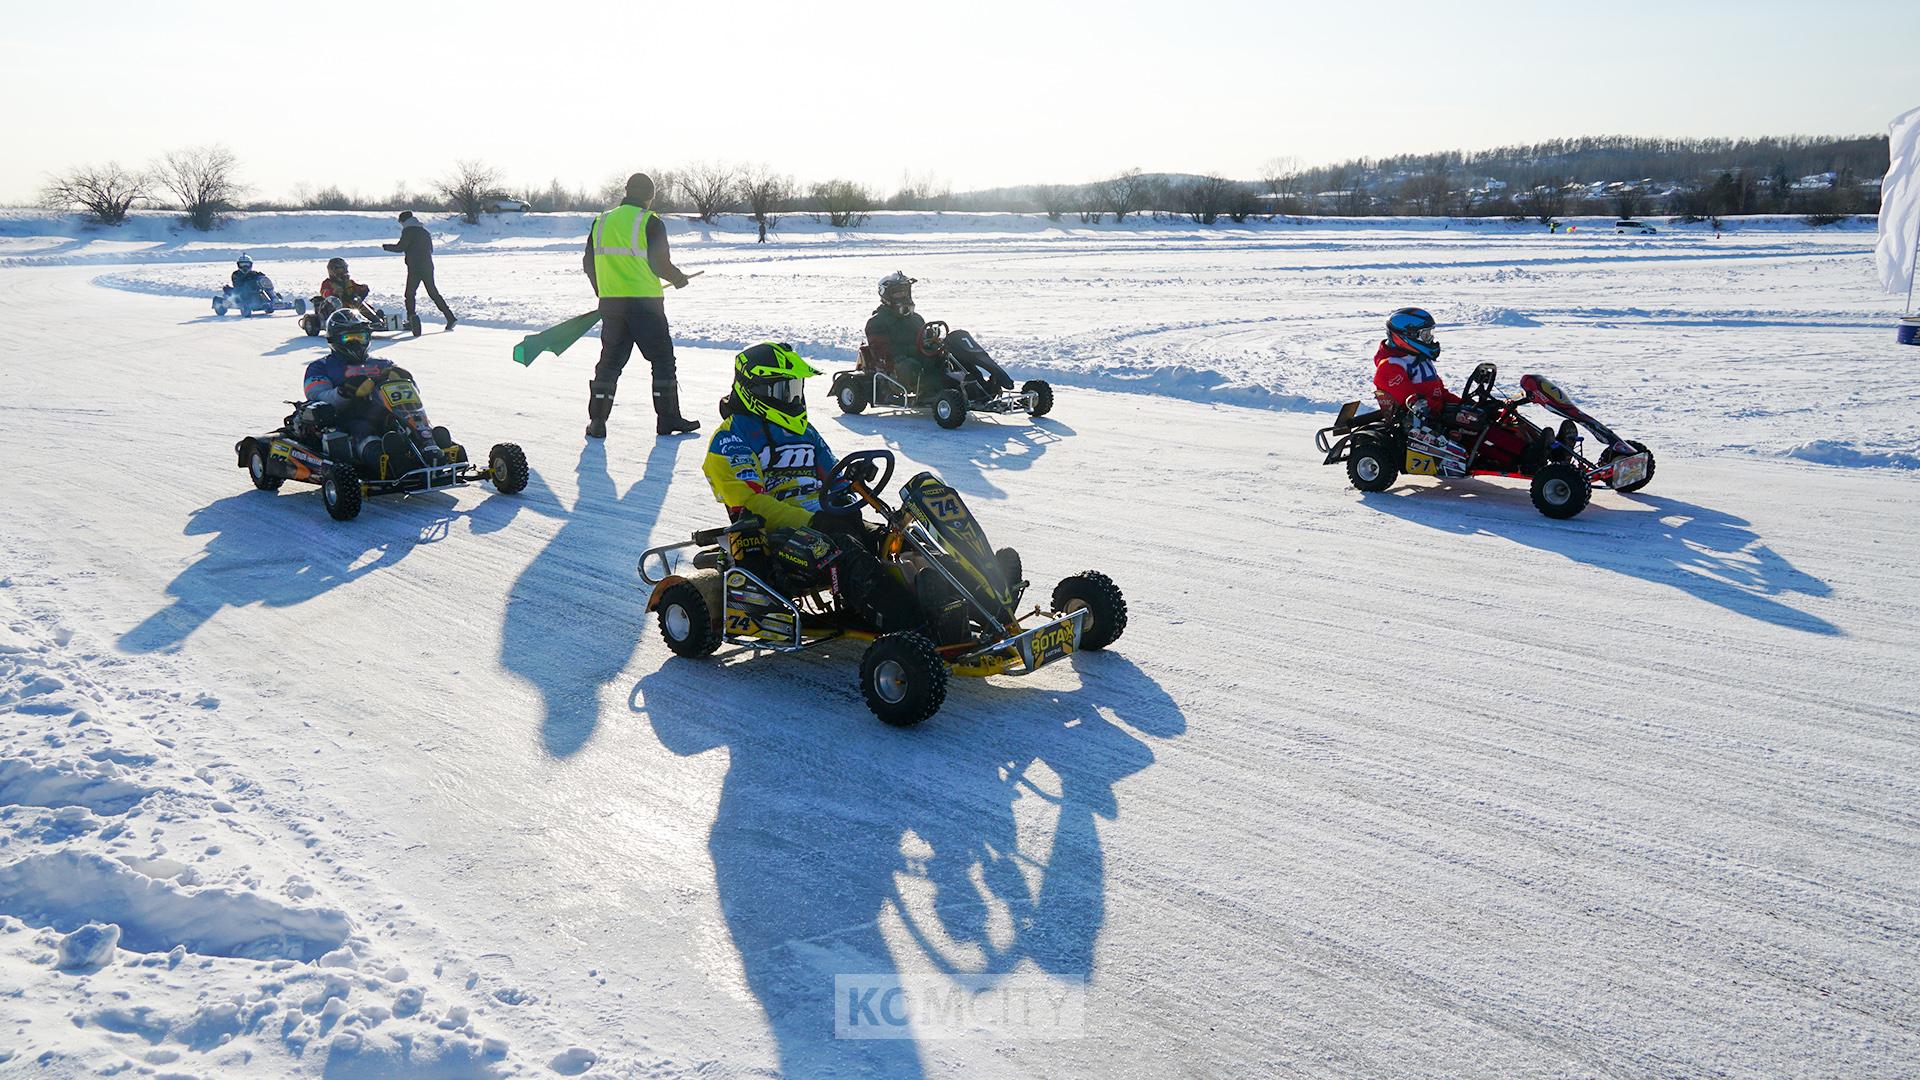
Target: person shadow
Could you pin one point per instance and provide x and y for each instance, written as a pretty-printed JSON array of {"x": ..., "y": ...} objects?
[
  {"x": 572, "y": 622},
  {"x": 281, "y": 550},
  {"x": 968, "y": 846},
  {"x": 965, "y": 457},
  {"x": 1706, "y": 553}
]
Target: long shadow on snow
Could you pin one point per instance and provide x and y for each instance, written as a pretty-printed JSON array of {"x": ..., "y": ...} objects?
[
  {"x": 572, "y": 620},
  {"x": 1707, "y": 553},
  {"x": 281, "y": 549},
  {"x": 963, "y": 457},
  {"x": 972, "y": 837}
]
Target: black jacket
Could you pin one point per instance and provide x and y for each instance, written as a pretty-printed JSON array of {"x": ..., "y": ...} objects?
[
  {"x": 416, "y": 243},
  {"x": 659, "y": 256}
]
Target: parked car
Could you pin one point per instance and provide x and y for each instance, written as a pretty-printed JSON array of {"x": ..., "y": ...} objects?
[
  {"x": 1628, "y": 225},
  {"x": 504, "y": 204}
]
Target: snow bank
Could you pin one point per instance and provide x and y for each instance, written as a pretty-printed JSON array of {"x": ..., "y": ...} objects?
[{"x": 1846, "y": 454}]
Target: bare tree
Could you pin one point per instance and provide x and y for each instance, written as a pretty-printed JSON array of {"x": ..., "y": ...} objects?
[
  {"x": 710, "y": 188},
  {"x": 106, "y": 192},
  {"x": 201, "y": 180},
  {"x": 1056, "y": 200},
  {"x": 467, "y": 187},
  {"x": 1243, "y": 202},
  {"x": 1547, "y": 201},
  {"x": 1092, "y": 203},
  {"x": 329, "y": 198},
  {"x": 766, "y": 192},
  {"x": 1127, "y": 193},
  {"x": 1427, "y": 193},
  {"x": 921, "y": 191},
  {"x": 845, "y": 202},
  {"x": 1204, "y": 198}
]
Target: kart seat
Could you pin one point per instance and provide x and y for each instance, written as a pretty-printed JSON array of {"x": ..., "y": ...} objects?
[{"x": 873, "y": 364}]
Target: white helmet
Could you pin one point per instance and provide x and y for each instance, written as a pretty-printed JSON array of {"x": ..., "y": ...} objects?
[{"x": 244, "y": 262}]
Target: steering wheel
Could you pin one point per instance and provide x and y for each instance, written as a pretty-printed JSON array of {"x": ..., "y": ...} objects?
[
  {"x": 1479, "y": 387},
  {"x": 933, "y": 338},
  {"x": 875, "y": 477}
]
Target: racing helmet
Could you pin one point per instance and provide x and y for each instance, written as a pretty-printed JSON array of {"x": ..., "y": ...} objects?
[
  {"x": 349, "y": 333},
  {"x": 337, "y": 267},
  {"x": 1411, "y": 329},
  {"x": 244, "y": 262},
  {"x": 896, "y": 291},
  {"x": 769, "y": 381}
]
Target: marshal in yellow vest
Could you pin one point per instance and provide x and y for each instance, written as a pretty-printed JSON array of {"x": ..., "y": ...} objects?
[{"x": 620, "y": 266}]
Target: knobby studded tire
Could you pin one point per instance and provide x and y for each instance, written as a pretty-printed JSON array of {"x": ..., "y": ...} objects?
[
  {"x": 903, "y": 678},
  {"x": 686, "y": 622},
  {"x": 1105, "y": 606}
]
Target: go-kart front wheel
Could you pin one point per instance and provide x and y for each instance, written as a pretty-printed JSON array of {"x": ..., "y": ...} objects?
[
  {"x": 903, "y": 678},
  {"x": 1106, "y": 609},
  {"x": 508, "y": 464},
  {"x": 340, "y": 491},
  {"x": 686, "y": 622},
  {"x": 950, "y": 409},
  {"x": 1560, "y": 489},
  {"x": 257, "y": 471},
  {"x": 1608, "y": 455},
  {"x": 1371, "y": 466},
  {"x": 1042, "y": 392},
  {"x": 851, "y": 397}
]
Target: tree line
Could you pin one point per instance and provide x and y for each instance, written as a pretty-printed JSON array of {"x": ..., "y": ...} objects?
[{"x": 1697, "y": 179}]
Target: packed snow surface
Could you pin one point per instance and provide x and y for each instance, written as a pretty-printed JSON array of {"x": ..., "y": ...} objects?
[{"x": 1417, "y": 783}]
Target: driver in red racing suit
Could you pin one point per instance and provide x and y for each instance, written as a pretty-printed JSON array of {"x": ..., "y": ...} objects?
[{"x": 1404, "y": 377}]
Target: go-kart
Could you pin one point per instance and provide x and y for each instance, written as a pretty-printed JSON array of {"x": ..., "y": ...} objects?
[
  {"x": 401, "y": 453},
  {"x": 264, "y": 300},
  {"x": 968, "y": 593},
  {"x": 1486, "y": 435},
  {"x": 315, "y": 320},
  {"x": 975, "y": 383}
]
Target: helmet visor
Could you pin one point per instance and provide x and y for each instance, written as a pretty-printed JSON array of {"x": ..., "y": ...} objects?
[
  {"x": 1421, "y": 334},
  {"x": 356, "y": 339},
  {"x": 784, "y": 391}
]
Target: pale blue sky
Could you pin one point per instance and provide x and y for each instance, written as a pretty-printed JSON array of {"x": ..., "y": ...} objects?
[{"x": 981, "y": 93}]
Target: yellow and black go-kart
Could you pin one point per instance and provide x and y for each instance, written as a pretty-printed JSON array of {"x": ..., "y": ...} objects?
[
  {"x": 968, "y": 594},
  {"x": 404, "y": 454}
]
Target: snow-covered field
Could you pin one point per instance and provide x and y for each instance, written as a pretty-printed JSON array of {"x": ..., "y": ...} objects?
[{"x": 1418, "y": 783}]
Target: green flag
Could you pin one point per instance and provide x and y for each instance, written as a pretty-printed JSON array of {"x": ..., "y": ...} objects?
[{"x": 554, "y": 339}]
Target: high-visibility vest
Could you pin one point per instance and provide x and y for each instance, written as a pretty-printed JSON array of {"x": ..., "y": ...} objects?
[{"x": 620, "y": 265}]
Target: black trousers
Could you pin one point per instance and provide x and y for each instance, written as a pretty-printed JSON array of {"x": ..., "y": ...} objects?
[
  {"x": 418, "y": 276},
  {"x": 629, "y": 321}
]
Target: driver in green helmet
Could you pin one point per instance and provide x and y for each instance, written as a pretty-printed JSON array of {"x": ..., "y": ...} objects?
[{"x": 767, "y": 460}]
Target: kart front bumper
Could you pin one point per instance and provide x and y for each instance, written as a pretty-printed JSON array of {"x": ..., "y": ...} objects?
[{"x": 1028, "y": 651}]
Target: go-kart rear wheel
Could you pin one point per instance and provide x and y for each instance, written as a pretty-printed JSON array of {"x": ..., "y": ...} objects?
[
  {"x": 1042, "y": 392},
  {"x": 1106, "y": 609},
  {"x": 903, "y": 678},
  {"x": 311, "y": 324},
  {"x": 950, "y": 409},
  {"x": 1371, "y": 466},
  {"x": 257, "y": 471},
  {"x": 851, "y": 397},
  {"x": 340, "y": 491},
  {"x": 1560, "y": 489},
  {"x": 686, "y": 622},
  {"x": 1010, "y": 566},
  {"x": 1608, "y": 455},
  {"x": 508, "y": 464}
]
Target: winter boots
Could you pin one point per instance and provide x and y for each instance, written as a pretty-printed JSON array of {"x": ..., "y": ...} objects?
[
  {"x": 599, "y": 407},
  {"x": 666, "y": 410}
]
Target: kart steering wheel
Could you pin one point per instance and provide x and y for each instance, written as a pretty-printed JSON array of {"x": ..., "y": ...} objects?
[
  {"x": 1479, "y": 387},
  {"x": 874, "y": 482},
  {"x": 933, "y": 337}
]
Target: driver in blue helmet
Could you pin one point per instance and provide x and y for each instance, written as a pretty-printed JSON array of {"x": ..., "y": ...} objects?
[{"x": 767, "y": 460}]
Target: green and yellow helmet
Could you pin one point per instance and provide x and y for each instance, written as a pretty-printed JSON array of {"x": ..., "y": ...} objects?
[{"x": 769, "y": 381}]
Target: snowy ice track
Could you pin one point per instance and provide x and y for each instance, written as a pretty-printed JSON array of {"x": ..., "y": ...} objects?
[{"x": 1410, "y": 784}]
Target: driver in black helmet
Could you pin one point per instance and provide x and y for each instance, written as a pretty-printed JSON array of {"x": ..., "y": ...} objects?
[
  {"x": 896, "y": 332},
  {"x": 343, "y": 383}
]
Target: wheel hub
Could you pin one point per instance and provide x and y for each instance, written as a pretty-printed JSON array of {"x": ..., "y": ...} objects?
[
  {"x": 679, "y": 623},
  {"x": 1367, "y": 468},
  {"x": 1557, "y": 491},
  {"x": 890, "y": 682}
]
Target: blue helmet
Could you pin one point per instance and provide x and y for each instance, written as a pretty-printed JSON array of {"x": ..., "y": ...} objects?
[
  {"x": 244, "y": 262},
  {"x": 1411, "y": 329}
]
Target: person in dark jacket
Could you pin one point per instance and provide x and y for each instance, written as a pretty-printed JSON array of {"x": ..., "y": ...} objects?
[
  {"x": 626, "y": 261},
  {"x": 416, "y": 244}
]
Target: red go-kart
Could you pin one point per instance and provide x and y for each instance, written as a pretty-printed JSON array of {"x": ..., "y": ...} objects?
[{"x": 1486, "y": 435}]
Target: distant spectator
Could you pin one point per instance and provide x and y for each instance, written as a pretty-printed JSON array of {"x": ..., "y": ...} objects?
[{"x": 416, "y": 243}]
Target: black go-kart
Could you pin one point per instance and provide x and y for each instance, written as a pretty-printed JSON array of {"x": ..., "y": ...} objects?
[
  {"x": 403, "y": 454},
  {"x": 1487, "y": 435},
  {"x": 264, "y": 300},
  {"x": 975, "y": 383},
  {"x": 379, "y": 320},
  {"x": 969, "y": 594}
]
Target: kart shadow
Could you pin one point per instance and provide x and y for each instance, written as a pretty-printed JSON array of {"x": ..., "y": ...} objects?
[
  {"x": 964, "y": 457},
  {"x": 281, "y": 550},
  {"x": 966, "y": 847},
  {"x": 1706, "y": 553},
  {"x": 572, "y": 622}
]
